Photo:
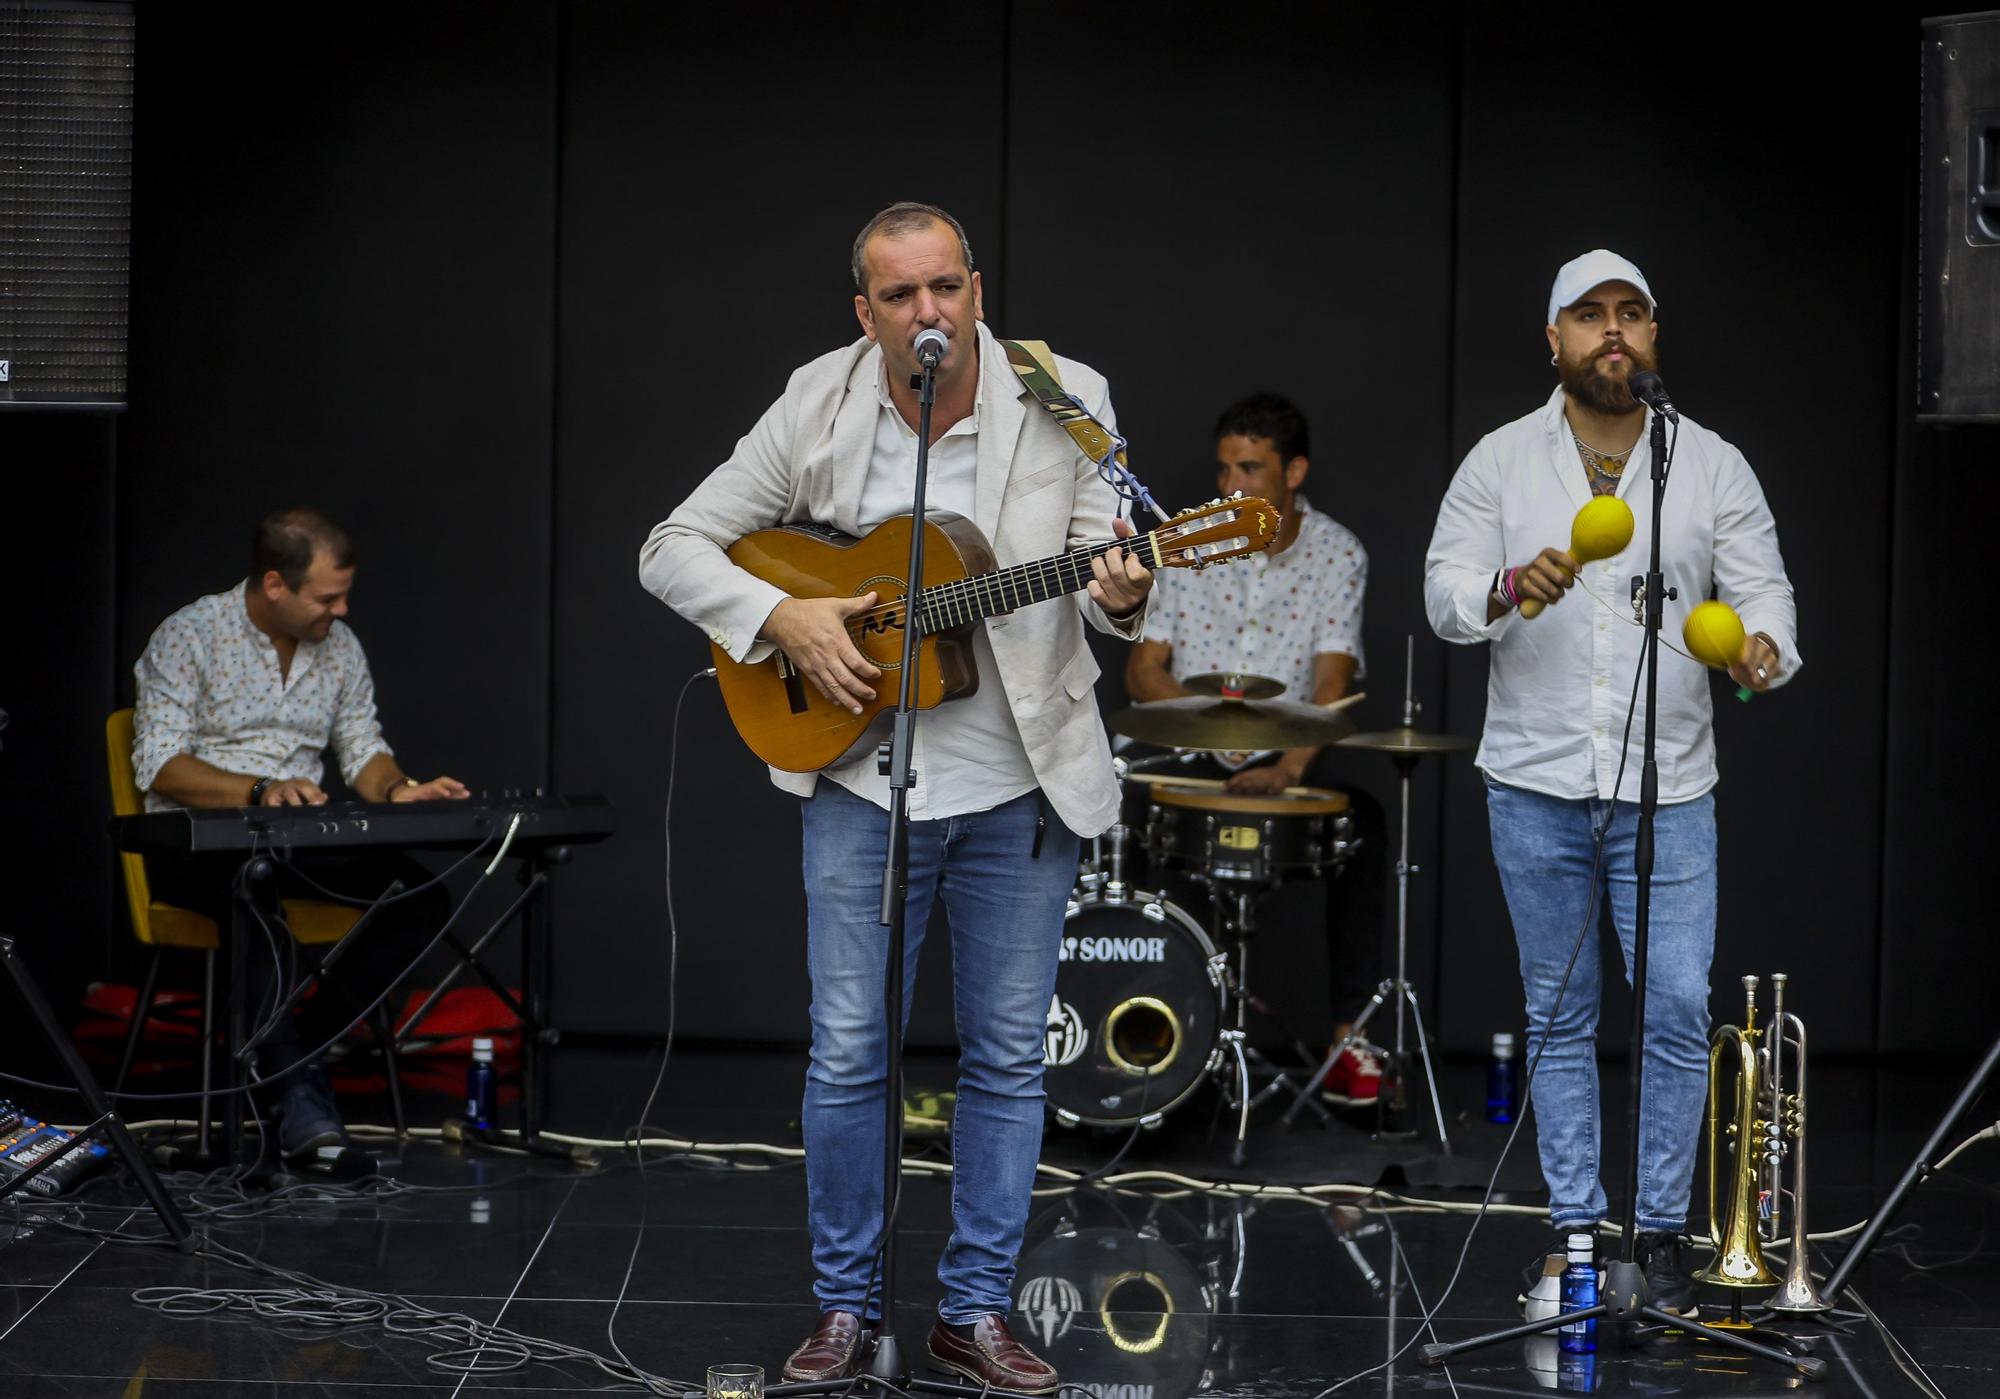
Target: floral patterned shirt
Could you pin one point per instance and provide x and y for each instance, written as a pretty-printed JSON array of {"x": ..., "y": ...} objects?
[
  {"x": 1267, "y": 614},
  {"x": 210, "y": 686}
]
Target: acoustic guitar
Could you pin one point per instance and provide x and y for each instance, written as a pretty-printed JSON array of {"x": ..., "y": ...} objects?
[{"x": 786, "y": 720}]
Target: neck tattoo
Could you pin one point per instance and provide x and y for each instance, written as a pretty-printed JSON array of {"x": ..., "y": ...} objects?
[{"x": 1603, "y": 469}]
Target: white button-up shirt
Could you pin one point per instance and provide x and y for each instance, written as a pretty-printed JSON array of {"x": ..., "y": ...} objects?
[
  {"x": 1559, "y": 684},
  {"x": 1267, "y": 614},
  {"x": 209, "y": 685},
  {"x": 968, "y": 753}
]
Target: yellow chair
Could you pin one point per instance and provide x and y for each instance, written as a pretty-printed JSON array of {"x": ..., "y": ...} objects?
[{"x": 163, "y": 925}]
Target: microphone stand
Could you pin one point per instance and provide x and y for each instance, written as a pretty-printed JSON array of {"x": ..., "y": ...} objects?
[
  {"x": 886, "y": 1369},
  {"x": 1625, "y": 1297}
]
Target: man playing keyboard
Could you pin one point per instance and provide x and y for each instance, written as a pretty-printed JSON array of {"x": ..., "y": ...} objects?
[{"x": 240, "y": 694}]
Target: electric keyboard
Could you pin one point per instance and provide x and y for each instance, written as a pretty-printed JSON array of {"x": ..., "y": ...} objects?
[{"x": 425, "y": 825}]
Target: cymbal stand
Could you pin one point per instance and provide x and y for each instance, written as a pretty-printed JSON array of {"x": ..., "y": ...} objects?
[{"x": 1397, "y": 987}]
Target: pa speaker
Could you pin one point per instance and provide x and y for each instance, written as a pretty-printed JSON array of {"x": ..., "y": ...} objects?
[
  {"x": 1958, "y": 258},
  {"x": 65, "y": 202}
]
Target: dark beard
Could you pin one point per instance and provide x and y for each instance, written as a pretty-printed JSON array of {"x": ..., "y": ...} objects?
[{"x": 1601, "y": 393}]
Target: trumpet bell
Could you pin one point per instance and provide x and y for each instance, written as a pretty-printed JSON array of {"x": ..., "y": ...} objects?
[
  {"x": 1798, "y": 1293},
  {"x": 1738, "y": 1264}
]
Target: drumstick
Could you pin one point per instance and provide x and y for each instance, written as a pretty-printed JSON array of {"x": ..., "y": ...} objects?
[
  {"x": 1170, "y": 779},
  {"x": 1345, "y": 700}
]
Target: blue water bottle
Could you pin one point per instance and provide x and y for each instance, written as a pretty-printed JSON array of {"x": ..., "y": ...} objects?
[
  {"x": 1579, "y": 1290},
  {"x": 481, "y": 1089},
  {"x": 1503, "y": 1082}
]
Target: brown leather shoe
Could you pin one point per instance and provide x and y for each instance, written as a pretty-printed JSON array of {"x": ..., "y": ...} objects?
[
  {"x": 993, "y": 1358},
  {"x": 834, "y": 1351}
]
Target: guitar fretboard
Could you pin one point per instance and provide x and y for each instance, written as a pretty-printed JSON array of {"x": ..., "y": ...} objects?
[{"x": 968, "y": 600}]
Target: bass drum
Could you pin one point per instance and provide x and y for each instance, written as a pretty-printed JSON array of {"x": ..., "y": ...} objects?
[{"x": 1137, "y": 1011}]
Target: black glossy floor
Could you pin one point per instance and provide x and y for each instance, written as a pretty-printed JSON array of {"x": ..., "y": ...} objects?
[{"x": 1135, "y": 1296}]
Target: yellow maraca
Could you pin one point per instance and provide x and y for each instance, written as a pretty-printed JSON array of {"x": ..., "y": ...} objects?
[
  {"x": 1714, "y": 635},
  {"x": 1601, "y": 530}
]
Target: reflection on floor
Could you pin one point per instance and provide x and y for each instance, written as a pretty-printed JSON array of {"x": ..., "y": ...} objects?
[{"x": 1149, "y": 1292}]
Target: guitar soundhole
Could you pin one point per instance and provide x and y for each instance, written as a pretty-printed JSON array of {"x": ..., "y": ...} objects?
[{"x": 878, "y": 632}]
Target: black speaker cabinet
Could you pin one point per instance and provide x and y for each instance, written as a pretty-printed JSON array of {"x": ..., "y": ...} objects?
[
  {"x": 65, "y": 202},
  {"x": 1958, "y": 244}
]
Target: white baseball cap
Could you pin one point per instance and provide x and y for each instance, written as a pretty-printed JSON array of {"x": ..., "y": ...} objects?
[{"x": 1594, "y": 269}]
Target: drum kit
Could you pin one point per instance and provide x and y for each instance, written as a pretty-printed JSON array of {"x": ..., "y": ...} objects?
[{"x": 1151, "y": 1001}]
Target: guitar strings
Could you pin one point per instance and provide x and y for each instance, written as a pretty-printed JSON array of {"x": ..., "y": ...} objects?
[{"x": 967, "y": 591}]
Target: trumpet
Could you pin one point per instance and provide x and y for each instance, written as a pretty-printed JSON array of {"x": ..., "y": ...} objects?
[{"x": 1763, "y": 1134}]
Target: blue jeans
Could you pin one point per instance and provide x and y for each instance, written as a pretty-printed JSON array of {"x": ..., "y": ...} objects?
[
  {"x": 1006, "y": 906},
  {"x": 1544, "y": 849}
]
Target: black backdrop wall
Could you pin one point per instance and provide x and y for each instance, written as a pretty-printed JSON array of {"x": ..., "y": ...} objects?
[{"x": 498, "y": 282}]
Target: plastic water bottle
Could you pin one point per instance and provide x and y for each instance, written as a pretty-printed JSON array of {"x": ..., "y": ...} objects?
[
  {"x": 1503, "y": 1082},
  {"x": 1579, "y": 1289},
  {"x": 481, "y": 1088}
]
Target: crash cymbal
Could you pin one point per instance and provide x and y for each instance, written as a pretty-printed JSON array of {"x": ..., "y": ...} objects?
[
  {"x": 1236, "y": 684},
  {"x": 1408, "y": 740},
  {"x": 1196, "y": 721}
]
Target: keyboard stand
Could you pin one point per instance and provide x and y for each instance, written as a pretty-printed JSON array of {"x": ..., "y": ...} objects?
[{"x": 530, "y": 1008}]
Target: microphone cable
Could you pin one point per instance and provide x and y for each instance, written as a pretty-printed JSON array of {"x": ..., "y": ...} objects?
[{"x": 634, "y": 1135}]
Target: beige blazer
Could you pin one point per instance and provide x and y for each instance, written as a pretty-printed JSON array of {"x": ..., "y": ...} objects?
[{"x": 807, "y": 459}]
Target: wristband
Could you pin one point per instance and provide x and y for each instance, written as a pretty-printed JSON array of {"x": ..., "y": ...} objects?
[
  {"x": 258, "y": 788},
  {"x": 1507, "y": 592}
]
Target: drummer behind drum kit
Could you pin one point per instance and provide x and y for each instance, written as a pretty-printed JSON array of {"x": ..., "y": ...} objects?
[{"x": 1148, "y": 1005}]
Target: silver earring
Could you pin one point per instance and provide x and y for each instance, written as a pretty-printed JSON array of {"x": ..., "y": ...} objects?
[{"x": 1553, "y": 360}]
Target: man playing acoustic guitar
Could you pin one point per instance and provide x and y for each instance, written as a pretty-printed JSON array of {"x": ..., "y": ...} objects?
[{"x": 839, "y": 448}]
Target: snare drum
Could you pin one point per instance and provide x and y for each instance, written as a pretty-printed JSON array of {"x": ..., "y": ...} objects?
[
  {"x": 1137, "y": 1011},
  {"x": 1252, "y": 839}
]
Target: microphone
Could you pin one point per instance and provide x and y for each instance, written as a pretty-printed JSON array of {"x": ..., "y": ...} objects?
[
  {"x": 1647, "y": 388},
  {"x": 930, "y": 347}
]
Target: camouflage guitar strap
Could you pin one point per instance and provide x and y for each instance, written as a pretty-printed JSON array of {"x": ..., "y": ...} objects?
[{"x": 1036, "y": 364}]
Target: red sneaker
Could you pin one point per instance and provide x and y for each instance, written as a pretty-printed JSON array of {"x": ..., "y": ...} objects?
[{"x": 1356, "y": 1078}]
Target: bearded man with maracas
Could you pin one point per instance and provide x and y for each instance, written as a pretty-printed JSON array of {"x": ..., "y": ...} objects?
[{"x": 1553, "y": 751}]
